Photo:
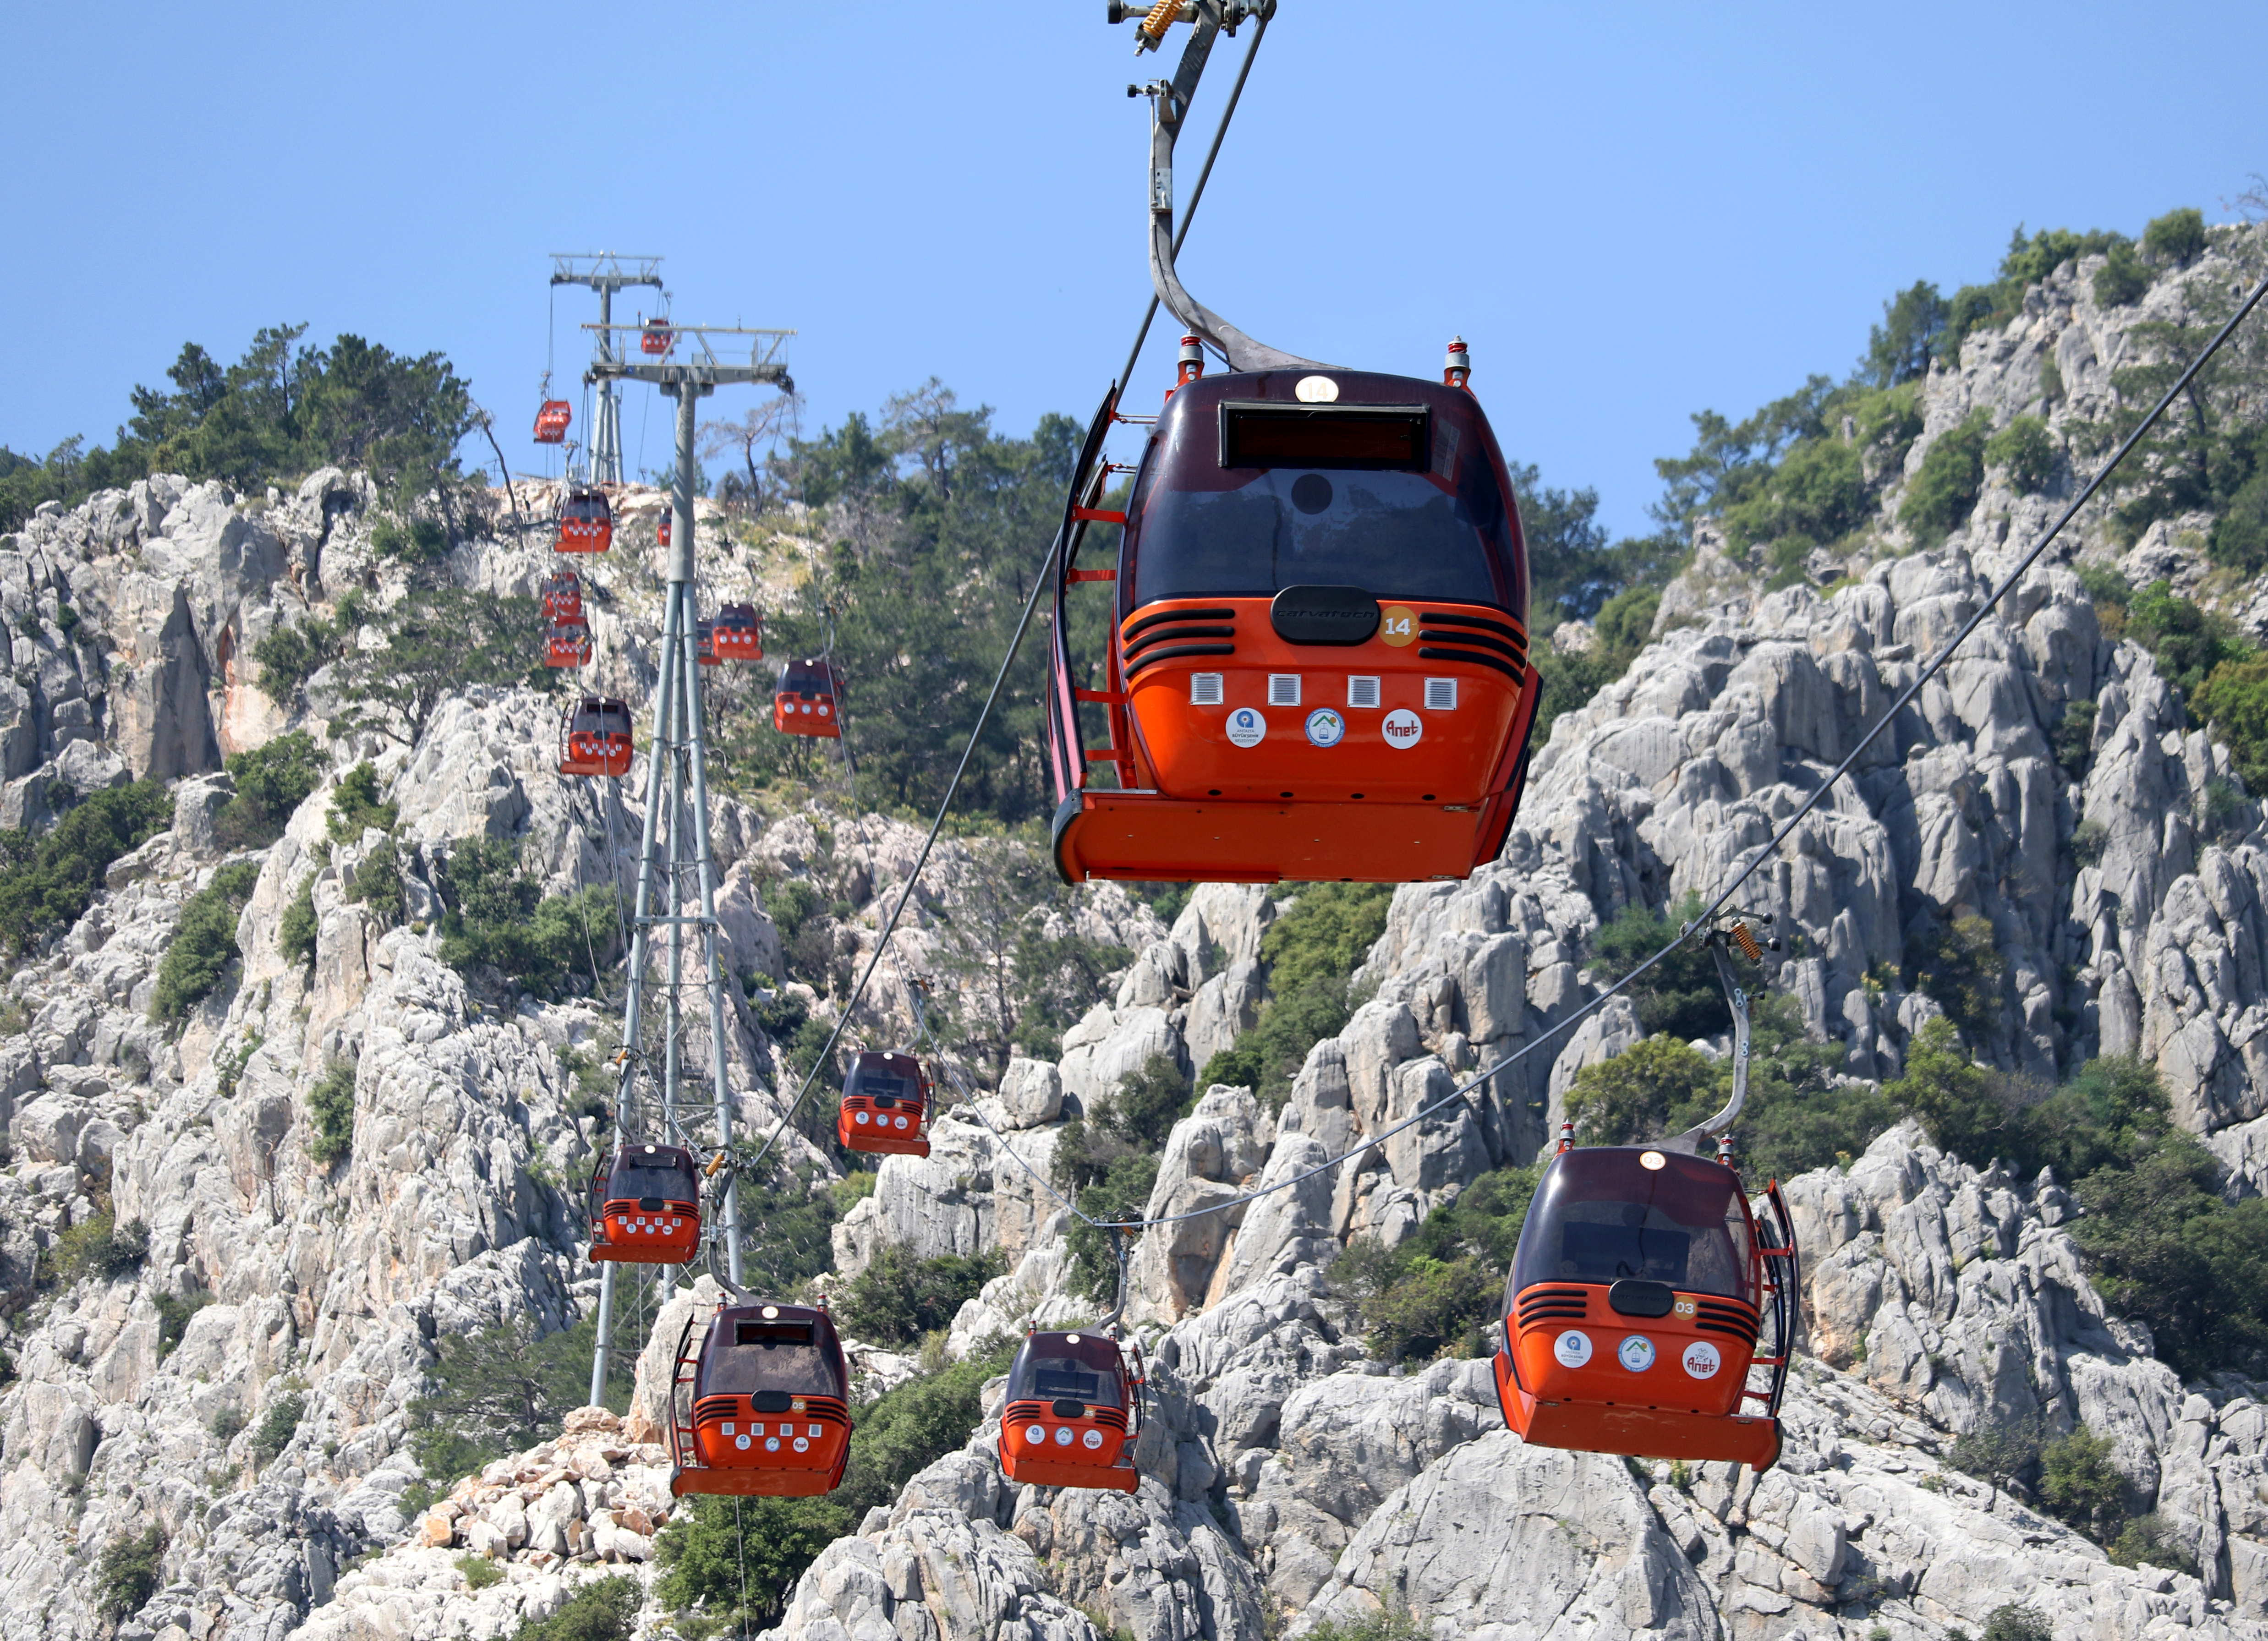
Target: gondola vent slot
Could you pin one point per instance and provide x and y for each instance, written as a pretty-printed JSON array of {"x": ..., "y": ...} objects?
[
  {"x": 1362, "y": 692},
  {"x": 1283, "y": 690},
  {"x": 1205, "y": 689},
  {"x": 1441, "y": 695}
]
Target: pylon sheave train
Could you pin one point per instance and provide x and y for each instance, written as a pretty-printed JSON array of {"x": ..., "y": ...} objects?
[
  {"x": 886, "y": 1103},
  {"x": 760, "y": 1406},
  {"x": 808, "y": 701},
  {"x": 1074, "y": 1413},
  {"x": 645, "y": 1206}
]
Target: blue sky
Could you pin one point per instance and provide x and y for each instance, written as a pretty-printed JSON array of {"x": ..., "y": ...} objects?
[{"x": 1630, "y": 211}]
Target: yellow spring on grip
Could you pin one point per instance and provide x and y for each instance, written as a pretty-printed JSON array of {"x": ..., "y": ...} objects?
[
  {"x": 1746, "y": 942},
  {"x": 1162, "y": 17}
]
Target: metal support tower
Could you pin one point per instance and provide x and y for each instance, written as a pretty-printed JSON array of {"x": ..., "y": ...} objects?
[
  {"x": 676, "y": 841},
  {"x": 605, "y": 273}
]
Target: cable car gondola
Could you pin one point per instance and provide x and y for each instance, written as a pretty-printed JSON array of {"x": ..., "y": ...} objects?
[
  {"x": 739, "y": 633},
  {"x": 655, "y": 338},
  {"x": 885, "y": 1104},
  {"x": 1646, "y": 1313},
  {"x": 809, "y": 699},
  {"x": 644, "y": 1204},
  {"x": 567, "y": 644},
  {"x": 594, "y": 738},
  {"x": 1319, "y": 668},
  {"x": 586, "y": 523},
  {"x": 1073, "y": 1414},
  {"x": 551, "y": 421},
  {"x": 663, "y": 533},
  {"x": 761, "y": 1408},
  {"x": 705, "y": 644},
  {"x": 563, "y": 595}
]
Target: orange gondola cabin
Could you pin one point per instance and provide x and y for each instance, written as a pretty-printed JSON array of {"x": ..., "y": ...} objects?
[
  {"x": 886, "y": 1103},
  {"x": 761, "y": 1408},
  {"x": 1073, "y": 1414},
  {"x": 655, "y": 338},
  {"x": 705, "y": 644},
  {"x": 809, "y": 701},
  {"x": 586, "y": 522},
  {"x": 739, "y": 633},
  {"x": 594, "y": 738},
  {"x": 566, "y": 644},
  {"x": 1646, "y": 1313},
  {"x": 552, "y": 420},
  {"x": 563, "y": 596},
  {"x": 645, "y": 1206},
  {"x": 1318, "y": 668}
]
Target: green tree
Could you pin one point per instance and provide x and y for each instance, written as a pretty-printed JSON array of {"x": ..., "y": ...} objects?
[
  {"x": 1435, "y": 1293},
  {"x": 132, "y": 1567},
  {"x": 2024, "y": 450},
  {"x": 296, "y": 928},
  {"x": 2234, "y": 701},
  {"x": 1960, "y": 969},
  {"x": 1311, "y": 953},
  {"x": 204, "y": 942},
  {"x": 2122, "y": 280},
  {"x": 898, "y": 1299},
  {"x": 2177, "y": 237},
  {"x": 271, "y": 782},
  {"x": 440, "y": 641},
  {"x": 47, "y": 882},
  {"x": 1941, "y": 495},
  {"x": 2188, "y": 642},
  {"x": 357, "y": 807},
  {"x": 330, "y": 1115},
  {"x": 2081, "y": 1486},
  {"x": 605, "y": 1609},
  {"x": 1899, "y": 349},
  {"x": 501, "y": 1389}
]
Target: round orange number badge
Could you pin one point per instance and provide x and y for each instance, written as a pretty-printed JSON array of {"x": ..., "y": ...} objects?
[{"x": 1397, "y": 624}]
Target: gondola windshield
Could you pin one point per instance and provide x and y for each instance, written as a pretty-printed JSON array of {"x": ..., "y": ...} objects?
[
  {"x": 1075, "y": 1367},
  {"x": 667, "y": 1180},
  {"x": 1602, "y": 1214},
  {"x": 784, "y": 1356},
  {"x": 1223, "y": 513}
]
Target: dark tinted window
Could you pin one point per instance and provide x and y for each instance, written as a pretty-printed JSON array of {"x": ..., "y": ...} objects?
[
  {"x": 1600, "y": 1215},
  {"x": 670, "y": 1182},
  {"x": 1087, "y": 1365},
  {"x": 801, "y": 1369},
  {"x": 1201, "y": 530}
]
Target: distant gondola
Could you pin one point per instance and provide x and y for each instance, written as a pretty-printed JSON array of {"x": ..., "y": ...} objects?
[
  {"x": 885, "y": 1104},
  {"x": 645, "y": 1206}
]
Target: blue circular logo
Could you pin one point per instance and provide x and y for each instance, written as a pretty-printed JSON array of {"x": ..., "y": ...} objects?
[{"x": 1326, "y": 728}]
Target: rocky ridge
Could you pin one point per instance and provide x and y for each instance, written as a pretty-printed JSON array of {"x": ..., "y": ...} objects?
[{"x": 1287, "y": 1477}]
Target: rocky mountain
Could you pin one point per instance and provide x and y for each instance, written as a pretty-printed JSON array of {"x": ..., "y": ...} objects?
[{"x": 242, "y": 1384}]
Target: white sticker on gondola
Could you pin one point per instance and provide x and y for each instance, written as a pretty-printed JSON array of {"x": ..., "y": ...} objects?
[
  {"x": 1573, "y": 1348},
  {"x": 1635, "y": 1353},
  {"x": 1402, "y": 728},
  {"x": 1316, "y": 390},
  {"x": 1702, "y": 1360},
  {"x": 1062, "y": 1435},
  {"x": 1093, "y": 1438},
  {"x": 742, "y": 1442},
  {"x": 802, "y": 1445},
  {"x": 1246, "y": 727},
  {"x": 1325, "y": 727}
]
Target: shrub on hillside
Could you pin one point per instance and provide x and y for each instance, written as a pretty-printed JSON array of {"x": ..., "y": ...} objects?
[
  {"x": 356, "y": 805},
  {"x": 48, "y": 881},
  {"x": 296, "y": 928},
  {"x": 271, "y": 782},
  {"x": 98, "y": 1246},
  {"x": 378, "y": 882},
  {"x": 501, "y": 1389},
  {"x": 899, "y": 1300},
  {"x": 130, "y": 1571},
  {"x": 495, "y": 914},
  {"x": 330, "y": 1115},
  {"x": 2177, "y": 237},
  {"x": 204, "y": 942},
  {"x": 2234, "y": 701},
  {"x": 2024, "y": 450},
  {"x": 605, "y": 1609},
  {"x": 1940, "y": 496},
  {"x": 2122, "y": 280},
  {"x": 1435, "y": 1294},
  {"x": 1312, "y": 952}
]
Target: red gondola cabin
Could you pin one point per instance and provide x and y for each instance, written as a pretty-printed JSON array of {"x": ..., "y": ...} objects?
[
  {"x": 563, "y": 596},
  {"x": 567, "y": 644},
  {"x": 739, "y": 633},
  {"x": 809, "y": 700},
  {"x": 594, "y": 738},
  {"x": 551, "y": 421},
  {"x": 1633, "y": 1315},
  {"x": 1073, "y": 1414},
  {"x": 761, "y": 1408},
  {"x": 704, "y": 642},
  {"x": 656, "y": 338},
  {"x": 645, "y": 1206},
  {"x": 586, "y": 523},
  {"x": 885, "y": 1102},
  {"x": 1318, "y": 668}
]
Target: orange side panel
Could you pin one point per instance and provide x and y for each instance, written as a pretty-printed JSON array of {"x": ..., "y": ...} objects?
[
  {"x": 1638, "y": 1432},
  {"x": 1119, "y": 1477},
  {"x": 1148, "y": 838},
  {"x": 626, "y": 1236}
]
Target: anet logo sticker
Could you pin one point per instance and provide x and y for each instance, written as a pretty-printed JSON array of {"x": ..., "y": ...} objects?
[{"x": 1402, "y": 728}]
